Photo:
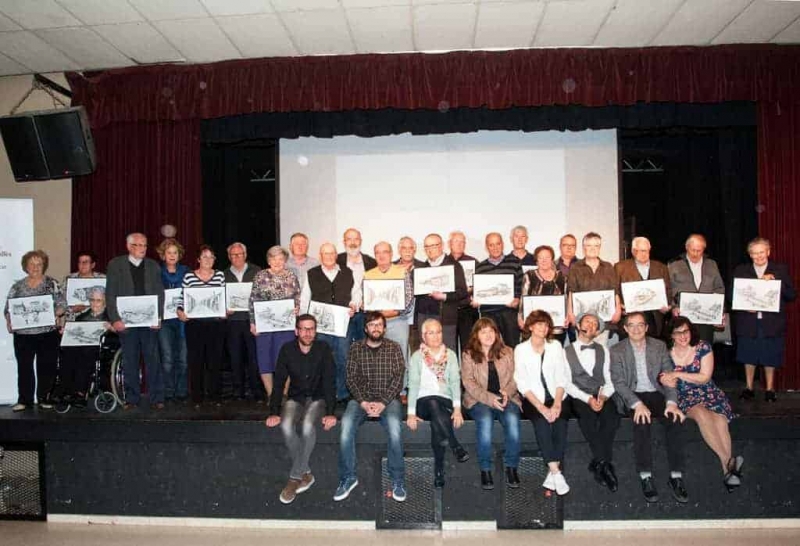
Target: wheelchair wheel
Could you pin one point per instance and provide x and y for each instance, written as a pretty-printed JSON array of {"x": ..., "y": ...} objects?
[
  {"x": 62, "y": 407},
  {"x": 117, "y": 374},
  {"x": 105, "y": 402}
]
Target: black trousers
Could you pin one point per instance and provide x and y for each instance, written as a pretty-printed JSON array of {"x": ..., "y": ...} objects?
[
  {"x": 506, "y": 320},
  {"x": 242, "y": 351},
  {"x": 642, "y": 443},
  {"x": 551, "y": 437},
  {"x": 205, "y": 340},
  {"x": 75, "y": 369},
  {"x": 599, "y": 428},
  {"x": 466, "y": 320},
  {"x": 44, "y": 349},
  {"x": 437, "y": 411}
]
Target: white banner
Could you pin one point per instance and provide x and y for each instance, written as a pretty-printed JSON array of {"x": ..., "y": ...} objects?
[{"x": 16, "y": 238}]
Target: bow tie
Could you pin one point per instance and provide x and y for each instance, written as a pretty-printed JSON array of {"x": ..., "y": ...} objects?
[{"x": 590, "y": 346}]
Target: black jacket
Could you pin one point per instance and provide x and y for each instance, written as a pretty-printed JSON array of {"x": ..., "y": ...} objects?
[{"x": 773, "y": 324}]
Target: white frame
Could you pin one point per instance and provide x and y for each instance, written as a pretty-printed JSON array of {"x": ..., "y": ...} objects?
[
  {"x": 710, "y": 311},
  {"x": 137, "y": 304},
  {"x": 469, "y": 271},
  {"x": 170, "y": 296},
  {"x": 45, "y": 317},
  {"x": 75, "y": 284},
  {"x": 756, "y": 295},
  {"x": 203, "y": 293},
  {"x": 381, "y": 287},
  {"x": 591, "y": 301},
  {"x": 445, "y": 276},
  {"x": 277, "y": 308},
  {"x": 238, "y": 290},
  {"x": 72, "y": 330},
  {"x": 339, "y": 314},
  {"x": 526, "y": 268},
  {"x": 555, "y": 306},
  {"x": 488, "y": 282},
  {"x": 631, "y": 291}
]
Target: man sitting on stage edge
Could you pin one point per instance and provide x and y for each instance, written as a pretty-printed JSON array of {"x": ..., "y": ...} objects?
[{"x": 308, "y": 364}]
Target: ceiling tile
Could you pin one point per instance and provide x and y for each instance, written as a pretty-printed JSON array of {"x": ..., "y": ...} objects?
[
  {"x": 350, "y": 4},
  {"x": 199, "y": 40},
  {"x": 85, "y": 46},
  {"x": 444, "y": 26},
  {"x": 634, "y": 23},
  {"x": 102, "y": 12},
  {"x": 319, "y": 32},
  {"x": 304, "y": 5},
  {"x": 572, "y": 23},
  {"x": 380, "y": 30},
  {"x": 698, "y": 21},
  {"x": 238, "y": 7},
  {"x": 759, "y": 22},
  {"x": 28, "y": 49},
  {"x": 258, "y": 35},
  {"x": 38, "y": 14},
  {"x": 141, "y": 42},
  {"x": 789, "y": 36},
  {"x": 507, "y": 24},
  {"x": 9, "y": 67},
  {"x": 7, "y": 24},
  {"x": 159, "y": 10}
]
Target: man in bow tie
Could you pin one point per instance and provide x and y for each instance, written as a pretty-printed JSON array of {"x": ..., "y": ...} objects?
[{"x": 589, "y": 389}]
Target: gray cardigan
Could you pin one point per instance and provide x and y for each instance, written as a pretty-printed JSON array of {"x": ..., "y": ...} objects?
[
  {"x": 119, "y": 282},
  {"x": 623, "y": 372}
]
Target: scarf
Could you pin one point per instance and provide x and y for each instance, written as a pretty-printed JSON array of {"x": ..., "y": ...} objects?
[{"x": 435, "y": 364}]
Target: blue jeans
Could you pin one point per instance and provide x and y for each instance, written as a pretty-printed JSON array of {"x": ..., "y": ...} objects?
[
  {"x": 391, "y": 419},
  {"x": 142, "y": 342},
  {"x": 173, "y": 359},
  {"x": 484, "y": 416},
  {"x": 355, "y": 328},
  {"x": 340, "y": 347}
]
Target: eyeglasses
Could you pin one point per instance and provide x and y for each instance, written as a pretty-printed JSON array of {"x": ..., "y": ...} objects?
[
  {"x": 235, "y": 254},
  {"x": 375, "y": 324},
  {"x": 679, "y": 333},
  {"x": 637, "y": 326},
  {"x": 307, "y": 328},
  {"x": 139, "y": 245},
  {"x": 437, "y": 245}
]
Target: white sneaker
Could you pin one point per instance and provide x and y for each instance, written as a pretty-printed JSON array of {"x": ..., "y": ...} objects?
[
  {"x": 549, "y": 482},
  {"x": 18, "y": 407},
  {"x": 561, "y": 484}
]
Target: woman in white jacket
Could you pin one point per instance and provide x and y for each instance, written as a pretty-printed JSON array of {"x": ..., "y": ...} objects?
[{"x": 541, "y": 373}]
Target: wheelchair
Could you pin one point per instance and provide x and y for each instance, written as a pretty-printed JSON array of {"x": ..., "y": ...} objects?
[{"x": 107, "y": 384}]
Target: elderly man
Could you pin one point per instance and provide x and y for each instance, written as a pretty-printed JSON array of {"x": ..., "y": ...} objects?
[
  {"x": 241, "y": 344},
  {"x": 519, "y": 239},
  {"x": 330, "y": 283},
  {"x": 505, "y": 316},
  {"x": 567, "y": 246},
  {"x": 408, "y": 252},
  {"x": 358, "y": 263},
  {"x": 642, "y": 268},
  {"x": 440, "y": 305},
  {"x": 636, "y": 366},
  {"x": 299, "y": 261},
  {"x": 695, "y": 272},
  {"x": 136, "y": 275},
  {"x": 457, "y": 243}
]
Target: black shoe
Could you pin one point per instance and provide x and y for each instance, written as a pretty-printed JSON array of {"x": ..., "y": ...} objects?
[
  {"x": 512, "y": 478},
  {"x": 438, "y": 479},
  {"x": 461, "y": 454},
  {"x": 487, "y": 483},
  {"x": 609, "y": 477},
  {"x": 594, "y": 468},
  {"x": 649, "y": 489},
  {"x": 769, "y": 396},
  {"x": 747, "y": 394},
  {"x": 678, "y": 490}
]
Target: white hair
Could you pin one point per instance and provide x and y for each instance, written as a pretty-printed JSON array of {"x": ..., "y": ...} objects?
[
  {"x": 637, "y": 240},
  {"x": 237, "y": 243}
]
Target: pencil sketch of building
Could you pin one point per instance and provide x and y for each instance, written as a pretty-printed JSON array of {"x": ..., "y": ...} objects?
[
  {"x": 139, "y": 314},
  {"x": 31, "y": 311},
  {"x": 84, "y": 292},
  {"x": 696, "y": 312},
  {"x": 84, "y": 335},
  {"x": 602, "y": 307},
  {"x": 392, "y": 296},
  {"x": 211, "y": 304},
  {"x": 238, "y": 301},
  {"x": 277, "y": 321},
  {"x": 643, "y": 296},
  {"x": 171, "y": 304},
  {"x": 436, "y": 282},
  {"x": 494, "y": 291},
  {"x": 326, "y": 320},
  {"x": 764, "y": 300}
]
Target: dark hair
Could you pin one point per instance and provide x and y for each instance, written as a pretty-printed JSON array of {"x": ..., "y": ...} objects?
[
  {"x": 628, "y": 316},
  {"x": 203, "y": 248},
  {"x": 373, "y": 315},
  {"x": 539, "y": 248},
  {"x": 41, "y": 254},
  {"x": 87, "y": 253},
  {"x": 536, "y": 316},
  {"x": 474, "y": 348},
  {"x": 677, "y": 322},
  {"x": 303, "y": 317}
]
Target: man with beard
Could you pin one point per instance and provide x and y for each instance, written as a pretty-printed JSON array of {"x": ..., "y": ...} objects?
[
  {"x": 358, "y": 263},
  {"x": 375, "y": 371},
  {"x": 308, "y": 365},
  {"x": 299, "y": 261}
]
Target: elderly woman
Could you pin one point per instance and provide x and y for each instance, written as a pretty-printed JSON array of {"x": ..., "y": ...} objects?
[
  {"x": 546, "y": 280},
  {"x": 38, "y": 342},
  {"x": 760, "y": 336},
  {"x": 487, "y": 373},
  {"x": 434, "y": 394},
  {"x": 275, "y": 283},
  {"x": 205, "y": 337},
  {"x": 172, "y": 335},
  {"x": 699, "y": 398},
  {"x": 542, "y": 375}
]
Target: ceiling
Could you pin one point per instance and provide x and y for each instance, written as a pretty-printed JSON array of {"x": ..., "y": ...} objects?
[{"x": 59, "y": 35}]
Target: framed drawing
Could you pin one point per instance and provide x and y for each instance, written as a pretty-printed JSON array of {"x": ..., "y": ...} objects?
[
  {"x": 82, "y": 334},
  {"x": 493, "y": 289},
  {"x": 600, "y": 302},
  {"x": 204, "y": 302},
  {"x": 237, "y": 296},
  {"x": 78, "y": 290},
  {"x": 173, "y": 297},
  {"x": 138, "y": 311},
  {"x": 274, "y": 316},
  {"x": 469, "y": 271},
  {"x": 31, "y": 312},
  {"x": 526, "y": 268},
  {"x": 555, "y": 306},
  {"x": 756, "y": 295},
  {"x": 331, "y": 319},
  {"x": 434, "y": 279},
  {"x": 702, "y": 308},
  {"x": 384, "y": 294},
  {"x": 650, "y": 295}
]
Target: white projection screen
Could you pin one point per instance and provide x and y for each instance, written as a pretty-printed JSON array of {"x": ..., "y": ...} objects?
[{"x": 388, "y": 187}]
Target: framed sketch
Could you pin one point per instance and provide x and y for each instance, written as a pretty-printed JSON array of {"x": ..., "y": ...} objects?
[
  {"x": 274, "y": 315},
  {"x": 237, "y": 296},
  {"x": 469, "y": 271},
  {"x": 204, "y": 301},
  {"x": 555, "y": 306},
  {"x": 82, "y": 334},
  {"x": 78, "y": 290},
  {"x": 650, "y": 295},
  {"x": 138, "y": 311},
  {"x": 702, "y": 308},
  {"x": 384, "y": 294},
  {"x": 756, "y": 295},
  {"x": 600, "y": 302},
  {"x": 493, "y": 289},
  {"x": 331, "y": 319},
  {"x": 172, "y": 300},
  {"x": 434, "y": 279},
  {"x": 526, "y": 268},
  {"x": 31, "y": 312}
]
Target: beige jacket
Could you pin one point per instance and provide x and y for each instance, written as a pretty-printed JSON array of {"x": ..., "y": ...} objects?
[{"x": 475, "y": 378}]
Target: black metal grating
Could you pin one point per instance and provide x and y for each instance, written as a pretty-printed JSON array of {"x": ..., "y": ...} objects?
[
  {"x": 530, "y": 506},
  {"x": 422, "y": 508},
  {"x": 21, "y": 486}
]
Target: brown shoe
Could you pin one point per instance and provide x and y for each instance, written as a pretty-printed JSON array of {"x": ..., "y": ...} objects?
[
  {"x": 289, "y": 492},
  {"x": 306, "y": 482}
]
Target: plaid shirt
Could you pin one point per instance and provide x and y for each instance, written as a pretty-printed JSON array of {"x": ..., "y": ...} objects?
[{"x": 375, "y": 375}]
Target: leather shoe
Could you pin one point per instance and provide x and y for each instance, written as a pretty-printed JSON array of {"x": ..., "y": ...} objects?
[
  {"x": 747, "y": 394},
  {"x": 649, "y": 489},
  {"x": 769, "y": 396},
  {"x": 438, "y": 479},
  {"x": 487, "y": 483},
  {"x": 594, "y": 468},
  {"x": 609, "y": 477},
  {"x": 512, "y": 478},
  {"x": 461, "y": 454},
  {"x": 678, "y": 490}
]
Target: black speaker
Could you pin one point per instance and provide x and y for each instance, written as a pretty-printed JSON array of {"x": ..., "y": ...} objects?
[{"x": 48, "y": 144}]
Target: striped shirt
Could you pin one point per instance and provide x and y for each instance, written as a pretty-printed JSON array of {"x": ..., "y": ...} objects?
[
  {"x": 509, "y": 265},
  {"x": 191, "y": 280}
]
